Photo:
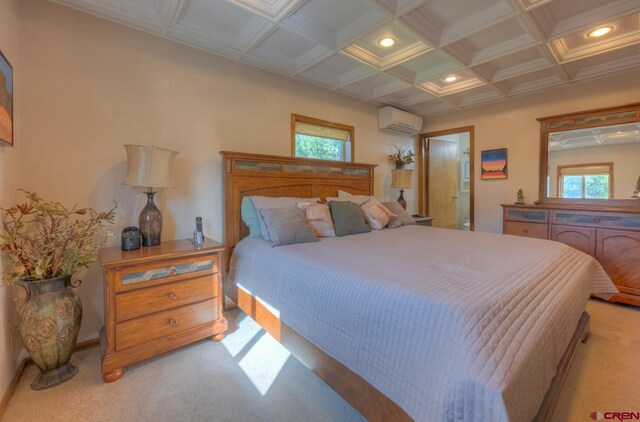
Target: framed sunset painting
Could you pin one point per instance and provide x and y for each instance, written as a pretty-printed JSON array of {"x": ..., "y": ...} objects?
[
  {"x": 494, "y": 164},
  {"x": 6, "y": 100}
]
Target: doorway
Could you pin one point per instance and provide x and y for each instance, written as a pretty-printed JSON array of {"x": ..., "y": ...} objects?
[{"x": 445, "y": 162}]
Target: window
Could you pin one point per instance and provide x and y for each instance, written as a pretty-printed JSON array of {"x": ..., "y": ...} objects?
[
  {"x": 586, "y": 181},
  {"x": 320, "y": 139}
]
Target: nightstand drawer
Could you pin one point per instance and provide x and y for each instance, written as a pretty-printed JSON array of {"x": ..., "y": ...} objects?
[
  {"x": 139, "y": 276},
  {"x": 163, "y": 324},
  {"x": 538, "y": 231},
  {"x": 146, "y": 301},
  {"x": 527, "y": 214}
]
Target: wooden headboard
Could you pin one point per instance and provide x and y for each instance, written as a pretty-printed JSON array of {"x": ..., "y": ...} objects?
[{"x": 269, "y": 175}]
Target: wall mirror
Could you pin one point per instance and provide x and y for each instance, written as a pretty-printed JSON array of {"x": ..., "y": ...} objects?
[{"x": 591, "y": 157}]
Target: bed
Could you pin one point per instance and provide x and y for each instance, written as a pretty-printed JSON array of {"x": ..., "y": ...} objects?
[{"x": 413, "y": 323}]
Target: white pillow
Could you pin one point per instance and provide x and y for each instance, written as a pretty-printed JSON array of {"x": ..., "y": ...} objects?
[
  {"x": 319, "y": 217},
  {"x": 267, "y": 202},
  {"x": 376, "y": 214}
]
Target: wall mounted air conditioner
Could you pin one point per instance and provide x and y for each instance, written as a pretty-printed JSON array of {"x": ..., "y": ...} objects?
[{"x": 398, "y": 121}]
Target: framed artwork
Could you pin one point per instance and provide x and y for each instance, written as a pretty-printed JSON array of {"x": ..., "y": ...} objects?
[
  {"x": 6, "y": 101},
  {"x": 494, "y": 164}
]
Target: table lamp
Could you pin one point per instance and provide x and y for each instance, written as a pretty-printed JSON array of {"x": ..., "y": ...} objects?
[
  {"x": 150, "y": 167},
  {"x": 402, "y": 179}
]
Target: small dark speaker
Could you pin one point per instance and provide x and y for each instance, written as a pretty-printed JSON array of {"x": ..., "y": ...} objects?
[{"x": 131, "y": 238}]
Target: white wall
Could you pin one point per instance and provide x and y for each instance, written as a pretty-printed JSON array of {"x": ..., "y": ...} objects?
[
  {"x": 94, "y": 86},
  {"x": 625, "y": 157},
  {"x": 10, "y": 178},
  {"x": 512, "y": 124}
]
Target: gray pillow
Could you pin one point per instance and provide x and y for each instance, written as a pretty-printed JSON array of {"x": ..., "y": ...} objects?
[
  {"x": 403, "y": 217},
  {"x": 287, "y": 226},
  {"x": 262, "y": 202},
  {"x": 250, "y": 217},
  {"x": 348, "y": 218}
]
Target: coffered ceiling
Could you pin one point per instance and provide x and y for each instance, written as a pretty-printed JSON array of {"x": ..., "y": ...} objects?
[{"x": 494, "y": 49}]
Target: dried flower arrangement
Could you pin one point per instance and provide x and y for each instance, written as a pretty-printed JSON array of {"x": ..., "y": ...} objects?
[{"x": 45, "y": 240}]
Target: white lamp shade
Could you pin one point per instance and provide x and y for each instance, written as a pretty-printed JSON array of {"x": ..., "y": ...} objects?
[
  {"x": 401, "y": 179},
  {"x": 149, "y": 166}
]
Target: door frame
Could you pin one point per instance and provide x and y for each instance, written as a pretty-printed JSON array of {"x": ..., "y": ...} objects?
[{"x": 423, "y": 169}]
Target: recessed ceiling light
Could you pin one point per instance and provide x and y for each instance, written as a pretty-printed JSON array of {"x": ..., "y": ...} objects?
[
  {"x": 598, "y": 32},
  {"x": 450, "y": 78},
  {"x": 387, "y": 42}
]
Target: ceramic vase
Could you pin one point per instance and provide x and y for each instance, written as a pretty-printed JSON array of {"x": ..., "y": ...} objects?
[{"x": 48, "y": 322}]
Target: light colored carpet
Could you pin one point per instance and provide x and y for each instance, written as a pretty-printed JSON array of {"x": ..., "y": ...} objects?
[{"x": 250, "y": 377}]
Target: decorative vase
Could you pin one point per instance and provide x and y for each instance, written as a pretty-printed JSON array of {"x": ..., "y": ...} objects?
[
  {"x": 399, "y": 165},
  {"x": 150, "y": 222},
  {"x": 48, "y": 322}
]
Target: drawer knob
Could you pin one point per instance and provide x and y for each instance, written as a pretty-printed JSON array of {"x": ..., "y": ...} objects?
[
  {"x": 173, "y": 322},
  {"x": 173, "y": 271},
  {"x": 525, "y": 215},
  {"x": 525, "y": 231},
  {"x": 596, "y": 220},
  {"x": 173, "y": 296}
]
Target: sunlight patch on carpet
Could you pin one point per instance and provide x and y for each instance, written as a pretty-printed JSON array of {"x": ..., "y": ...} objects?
[
  {"x": 246, "y": 331},
  {"x": 263, "y": 362}
]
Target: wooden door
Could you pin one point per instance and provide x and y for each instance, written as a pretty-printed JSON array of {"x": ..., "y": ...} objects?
[
  {"x": 442, "y": 182},
  {"x": 619, "y": 254},
  {"x": 581, "y": 238}
]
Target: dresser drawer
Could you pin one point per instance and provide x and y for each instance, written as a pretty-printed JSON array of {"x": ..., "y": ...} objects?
[
  {"x": 139, "y": 276},
  {"x": 163, "y": 324},
  {"x": 146, "y": 301},
  {"x": 526, "y": 214},
  {"x": 536, "y": 230},
  {"x": 602, "y": 220}
]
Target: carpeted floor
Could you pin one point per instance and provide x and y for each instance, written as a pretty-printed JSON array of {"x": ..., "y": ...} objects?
[{"x": 250, "y": 377}]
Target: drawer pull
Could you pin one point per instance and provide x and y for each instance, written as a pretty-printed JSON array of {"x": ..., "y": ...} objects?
[
  {"x": 525, "y": 231},
  {"x": 173, "y": 296},
  {"x": 173, "y": 322},
  {"x": 173, "y": 271},
  {"x": 525, "y": 215},
  {"x": 596, "y": 220}
]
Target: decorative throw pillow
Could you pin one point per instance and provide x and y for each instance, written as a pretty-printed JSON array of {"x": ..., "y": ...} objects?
[
  {"x": 403, "y": 217},
  {"x": 319, "y": 217},
  {"x": 264, "y": 202},
  {"x": 343, "y": 194},
  {"x": 287, "y": 226},
  {"x": 250, "y": 216},
  {"x": 376, "y": 214},
  {"x": 348, "y": 218}
]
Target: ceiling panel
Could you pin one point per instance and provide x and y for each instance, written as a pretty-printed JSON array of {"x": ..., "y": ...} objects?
[{"x": 496, "y": 48}]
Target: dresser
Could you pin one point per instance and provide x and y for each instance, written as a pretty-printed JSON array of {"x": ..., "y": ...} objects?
[
  {"x": 157, "y": 299},
  {"x": 612, "y": 237}
]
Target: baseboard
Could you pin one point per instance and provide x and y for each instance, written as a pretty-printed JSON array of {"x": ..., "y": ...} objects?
[{"x": 8, "y": 394}]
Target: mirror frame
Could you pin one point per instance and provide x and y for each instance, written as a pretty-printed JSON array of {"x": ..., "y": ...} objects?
[{"x": 581, "y": 120}]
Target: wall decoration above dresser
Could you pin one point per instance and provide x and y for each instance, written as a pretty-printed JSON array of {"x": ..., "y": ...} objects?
[{"x": 588, "y": 173}]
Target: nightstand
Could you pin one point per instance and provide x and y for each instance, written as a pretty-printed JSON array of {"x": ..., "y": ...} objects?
[
  {"x": 157, "y": 299},
  {"x": 422, "y": 220}
]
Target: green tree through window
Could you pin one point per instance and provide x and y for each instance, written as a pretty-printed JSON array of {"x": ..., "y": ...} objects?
[{"x": 321, "y": 148}]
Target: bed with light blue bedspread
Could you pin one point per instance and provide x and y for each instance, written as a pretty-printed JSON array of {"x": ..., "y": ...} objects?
[{"x": 450, "y": 325}]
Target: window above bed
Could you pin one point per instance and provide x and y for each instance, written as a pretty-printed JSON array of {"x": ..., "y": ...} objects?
[{"x": 321, "y": 139}]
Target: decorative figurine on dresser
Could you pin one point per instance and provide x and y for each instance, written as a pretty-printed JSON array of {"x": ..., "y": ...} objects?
[
  {"x": 581, "y": 203},
  {"x": 157, "y": 299}
]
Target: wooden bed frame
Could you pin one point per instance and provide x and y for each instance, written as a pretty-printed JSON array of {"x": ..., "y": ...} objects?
[{"x": 268, "y": 175}]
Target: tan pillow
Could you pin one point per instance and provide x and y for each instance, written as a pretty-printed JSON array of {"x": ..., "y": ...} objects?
[
  {"x": 319, "y": 217},
  {"x": 376, "y": 214}
]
